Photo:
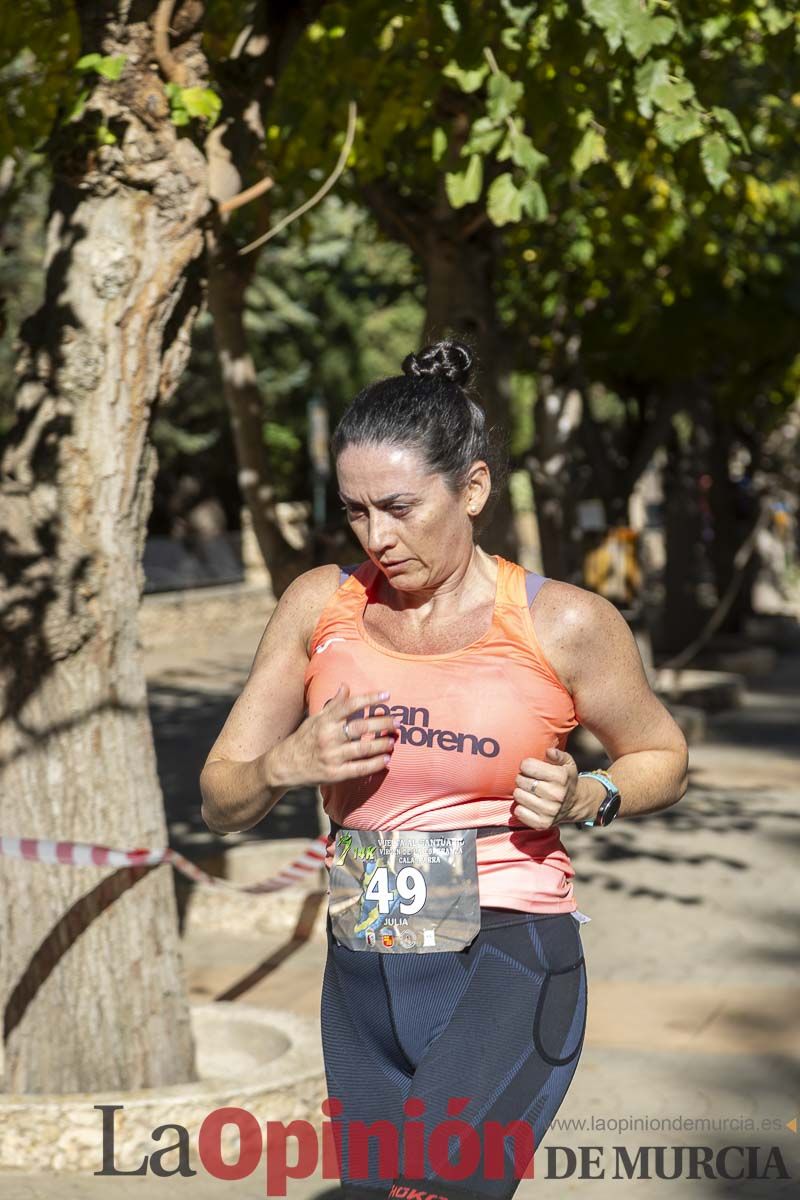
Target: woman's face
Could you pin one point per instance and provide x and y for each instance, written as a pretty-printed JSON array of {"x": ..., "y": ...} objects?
[{"x": 403, "y": 514}]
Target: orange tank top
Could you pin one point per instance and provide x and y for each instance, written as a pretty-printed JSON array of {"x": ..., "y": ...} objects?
[{"x": 469, "y": 718}]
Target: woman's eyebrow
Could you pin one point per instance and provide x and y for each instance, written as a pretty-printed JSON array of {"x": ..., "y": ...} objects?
[{"x": 383, "y": 499}]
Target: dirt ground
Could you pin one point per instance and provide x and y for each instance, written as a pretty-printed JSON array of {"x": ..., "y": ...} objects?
[{"x": 692, "y": 948}]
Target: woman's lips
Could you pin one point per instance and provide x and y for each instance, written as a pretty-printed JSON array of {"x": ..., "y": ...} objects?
[{"x": 390, "y": 567}]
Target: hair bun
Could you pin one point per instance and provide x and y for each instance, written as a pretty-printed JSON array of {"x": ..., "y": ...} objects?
[{"x": 450, "y": 360}]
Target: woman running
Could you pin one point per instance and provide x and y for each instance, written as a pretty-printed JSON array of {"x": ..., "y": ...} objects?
[{"x": 441, "y": 684}]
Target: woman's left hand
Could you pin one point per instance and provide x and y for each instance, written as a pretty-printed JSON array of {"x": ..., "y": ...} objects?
[{"x": 546, "y": 790}]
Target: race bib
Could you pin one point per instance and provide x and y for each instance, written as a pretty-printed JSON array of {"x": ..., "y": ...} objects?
[{"x": 404, "y": 891}]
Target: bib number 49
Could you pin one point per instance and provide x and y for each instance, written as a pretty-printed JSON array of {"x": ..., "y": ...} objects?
[{"x": 410, "y": 883}]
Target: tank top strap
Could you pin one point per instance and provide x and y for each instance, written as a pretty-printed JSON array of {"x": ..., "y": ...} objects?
[
  {"x": 346, "y": 572},
  {"x": 510, "y": 584},
  {"x": 359, "y": 576},
  {"x": 517, "y": 586}
]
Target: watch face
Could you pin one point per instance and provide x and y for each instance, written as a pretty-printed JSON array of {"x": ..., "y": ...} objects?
[{"x": 608, "y": 810}]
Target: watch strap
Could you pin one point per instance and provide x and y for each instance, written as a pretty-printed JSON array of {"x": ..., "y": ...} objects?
[{"x": 612, "y": 791}]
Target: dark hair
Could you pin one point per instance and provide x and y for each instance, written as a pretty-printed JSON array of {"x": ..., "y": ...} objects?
[{"x": 429, "y": 408}]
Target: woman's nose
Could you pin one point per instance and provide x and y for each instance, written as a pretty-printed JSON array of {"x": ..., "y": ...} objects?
[{"x": 380, "y": 533}]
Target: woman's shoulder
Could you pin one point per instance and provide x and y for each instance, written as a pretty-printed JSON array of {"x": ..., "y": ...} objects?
[
  {"x": 310, "y": 592},
  {"x": 572, "y": 622}
]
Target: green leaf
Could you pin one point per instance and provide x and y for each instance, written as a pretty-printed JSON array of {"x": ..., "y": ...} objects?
[
  {"x": 504, "y": 93},
  {"x": 581, "y": 251},
  {"x": 533, "y": 199},
  {"x": 468, "y": 81},
  {"x": 654, "y": 86},
  {"x": 518, "y": 14},
  {"x": 111, "y": 68},
  {"x": 624, "y": 172},
  {"x": 775, "y": 20},
  {"x": 464, "y": 187},
  {"x": 483, "y": 136},
  {"x": 609, "y": 16},
  {"x": 522, "y": 152},
  {"x": 450, "y": 16},
  {"x": 89, "y": 62},
  {"x": 438, "y": 144},
  {"x": 715, "y": 155},
  {"x": 202, "y": 103},
  {"x": 631, "y": 21},
  {"x": 503, "y": 201},
  {"x": 714, "y": 27},
  {"x": 76, "y": 112},
  {"x": 645, "y": 31},
  {"x": 674, "y": 129},
  {"x": 590, "y": 149},
  {"x": 731, "y": 125},
  {"x": 280, "y": 438},
  {"x": 105, "y": 136}
]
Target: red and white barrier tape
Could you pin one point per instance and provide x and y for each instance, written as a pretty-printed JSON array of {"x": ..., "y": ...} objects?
[{"x": 84, "y": 854}]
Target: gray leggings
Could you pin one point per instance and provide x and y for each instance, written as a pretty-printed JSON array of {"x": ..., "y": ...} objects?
[{"x": 499, "y": 1024}]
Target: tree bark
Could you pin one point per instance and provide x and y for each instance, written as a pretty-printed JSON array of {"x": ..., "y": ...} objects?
[
  {"x": 459, "y": 272},
  {"x": 683, "y": 614},
  {"x": 551, "y": 465},
  {"x": 235, "y": 151},
  {"x": 227, "y": 281},
  {"x": 733, "y": 518},
  {"x": 90, "y": 973}
]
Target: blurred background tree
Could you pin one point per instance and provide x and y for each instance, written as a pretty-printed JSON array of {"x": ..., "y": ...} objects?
[{"x": 330, "y": 308}]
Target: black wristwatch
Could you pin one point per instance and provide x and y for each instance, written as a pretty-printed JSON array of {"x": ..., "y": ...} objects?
[{"x": 609, "y": 807}]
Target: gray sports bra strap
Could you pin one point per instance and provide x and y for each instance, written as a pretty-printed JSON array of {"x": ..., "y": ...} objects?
[
  {"x": 532, "y": 584},
  {"x": 345, "y": 571}
]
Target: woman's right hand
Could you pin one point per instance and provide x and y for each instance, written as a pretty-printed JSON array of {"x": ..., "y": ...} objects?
[{"x": 318, "y": 751}]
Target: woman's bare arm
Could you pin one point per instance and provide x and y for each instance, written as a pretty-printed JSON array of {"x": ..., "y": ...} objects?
[
  {"x": 593, "y": 652},
  {"x": 267, "y": 745},
  {"x": 236, "y": 782}
]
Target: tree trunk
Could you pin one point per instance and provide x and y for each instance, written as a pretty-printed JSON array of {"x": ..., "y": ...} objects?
[
  {"x": 235, "y": 152},
  {"x": 459, "y": 272},
  {"x": 227, "y": 282},
  {"x": 683, "y": 615},
  {"x": 734, "y": 516},
  {"x": 551, "y": 463},
  {"x": 90, "y": 973}
]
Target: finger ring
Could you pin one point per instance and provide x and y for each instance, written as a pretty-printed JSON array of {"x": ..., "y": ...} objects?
[
  {"x": 533, "y": 787},
  {"x": 347, "y": 735}
]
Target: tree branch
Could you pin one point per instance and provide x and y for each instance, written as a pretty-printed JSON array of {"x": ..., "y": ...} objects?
[
  {"x": 251, "y": 193},
  {"x": 740, "y": 561},
  {"x": 323, "y": 191},
  {"x": 171, "y": 69}
]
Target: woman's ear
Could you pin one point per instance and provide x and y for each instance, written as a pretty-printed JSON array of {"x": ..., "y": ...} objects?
[{"x": 479, "y": 485}]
